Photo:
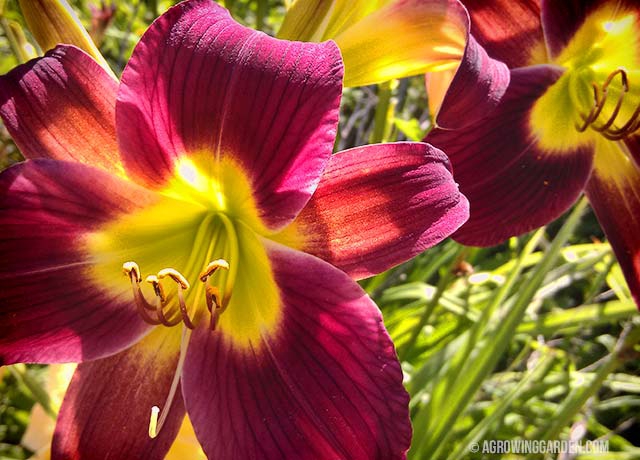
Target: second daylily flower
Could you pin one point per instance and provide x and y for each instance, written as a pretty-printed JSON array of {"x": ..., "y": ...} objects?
[
  {"x": 568, "y": 122},
  {"x": 210, "y": 182}
]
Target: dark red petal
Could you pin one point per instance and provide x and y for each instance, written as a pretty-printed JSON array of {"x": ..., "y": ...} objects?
[
  {"x": 199, "y": 83},
  {"x": 509, "y": 30},
  {"x": 62, "y": 106},
  {"x": 476, "y": 89},
  {"x": 512, "y": 184},
  {"x": 106, "y": 410},
  {"x": 325, "y": 384},
  {"x": 379, "y": 205},
  {"x": 614, "y": 193},
  {"x": 51, "y": 310}
]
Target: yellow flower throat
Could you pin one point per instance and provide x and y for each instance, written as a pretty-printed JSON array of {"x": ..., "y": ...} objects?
[{"x": 195, "y": 254}]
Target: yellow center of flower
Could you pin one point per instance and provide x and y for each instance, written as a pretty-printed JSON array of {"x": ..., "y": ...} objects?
[
  {"x": 598, "y": 94},
  {"x": 196, "y": 255}
]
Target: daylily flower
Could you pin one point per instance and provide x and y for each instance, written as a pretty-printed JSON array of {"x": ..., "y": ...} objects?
[
  {"x": 567, "y": 123},
  {"x": 209, "y": 181},
  {"x": 385, "y": 39}
]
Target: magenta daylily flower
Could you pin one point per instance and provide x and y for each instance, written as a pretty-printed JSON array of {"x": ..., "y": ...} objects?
[
  {"x": 206, "y": 176},
  {"x": 567, "y": 123}
]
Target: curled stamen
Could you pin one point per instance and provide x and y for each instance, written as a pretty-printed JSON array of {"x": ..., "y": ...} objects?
[
  {"x": 595, "y": 111},
  {"x": 212, "y": 267},
  {"x": 632, "y": 125},
  {"x": 183, "y": 285},
  {"x": 629, "y": 127},
  {"x": 160, "y": 302},
  {"x": 616, "y": 110},
  {"x": 213, "y": 304},
  {"x": 132, "y": 270}
]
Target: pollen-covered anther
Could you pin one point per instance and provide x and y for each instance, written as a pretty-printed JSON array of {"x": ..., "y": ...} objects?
[
  {"x": 183, "y": 285},
  {"x": 211, "y": 269},
  {"x": 607, "y": 128},
  {"x": 132, "y": 270}
]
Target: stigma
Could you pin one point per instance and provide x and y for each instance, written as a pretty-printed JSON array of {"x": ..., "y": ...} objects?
[
  {"x": 613, "y": 125},
  {"x": 171, "y": 310}
]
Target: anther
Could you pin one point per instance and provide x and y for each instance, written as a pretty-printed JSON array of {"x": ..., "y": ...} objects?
[
  {"x": 212, "y": 267},
  {"x": 175, "y": 275},
  {"x": 132, "y": 270}
]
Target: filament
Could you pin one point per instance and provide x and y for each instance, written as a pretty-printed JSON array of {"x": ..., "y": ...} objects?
[
  {"x": 599, "y": 101},
  {"x": 166, "y": 316}
]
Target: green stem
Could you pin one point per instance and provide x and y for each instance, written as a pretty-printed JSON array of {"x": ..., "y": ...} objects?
[
  {"x": 14, "y": 42},
  {"x": 382, "y": 112}
]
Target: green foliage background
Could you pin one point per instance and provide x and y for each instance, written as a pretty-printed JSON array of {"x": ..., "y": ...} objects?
[{"x": 534, "y": 339}]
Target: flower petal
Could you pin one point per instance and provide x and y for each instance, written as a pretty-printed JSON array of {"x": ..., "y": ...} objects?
[
  {"x": 326, "y": 384},
  {"x": 379, "y": 205},
  {"x": 509, "y": 31},
  {"x": 62, "y": 106},
  {"x": 198, "y": 83},
  {"x": 512, "y": 183},
  {"x": 320, "y": 20},
  {"x": 306, "y": 20},
  {"x": 105, "y": 413},
  {"x": 476, "y": 88},
  {"x": 614, "y": 193},
  {"x": 54, "y": 22},
  {"x": 50, "y": 311},
  {"x": 403, "y": 38}
]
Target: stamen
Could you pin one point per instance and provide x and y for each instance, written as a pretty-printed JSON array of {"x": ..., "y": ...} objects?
[
  {"x": 616, "y": 110},
  {"x": 212, "y": 293},
  {"x": 160, "y": 301},
  {"x": 156, "y": 423},
  {"x": 632, "y": 125},
  {"x": 132, "y": 270},
  {"x": 183, "y": 285},
  {"x": 212, "y": 267},
  {"x": 213, "y": 304}
]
